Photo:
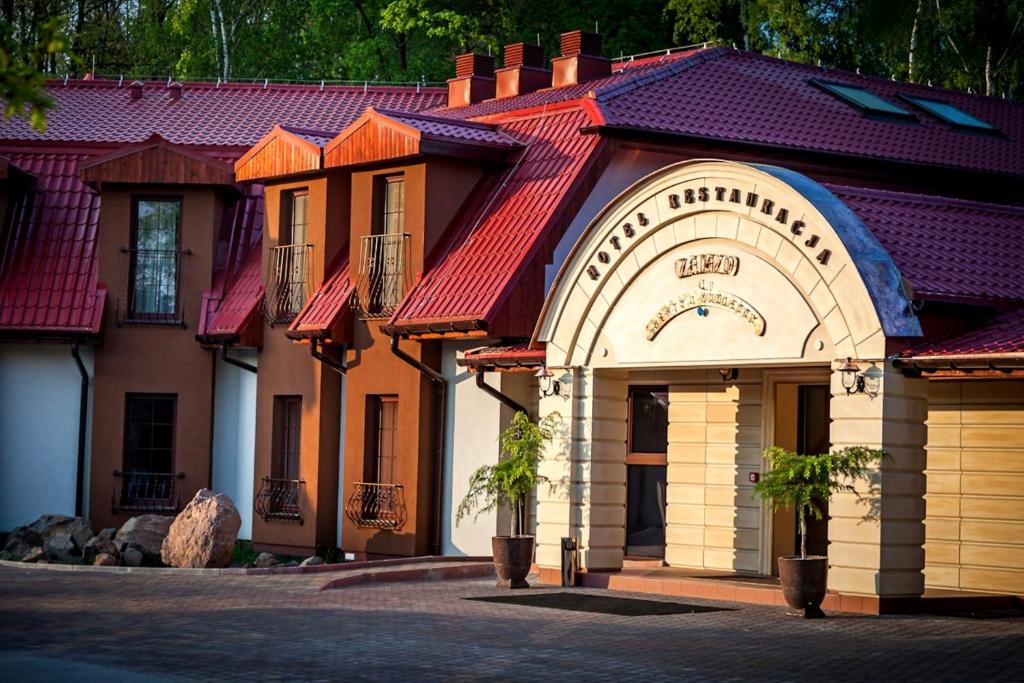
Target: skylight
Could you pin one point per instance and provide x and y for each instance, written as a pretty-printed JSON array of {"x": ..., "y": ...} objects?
[
  {"x": 948, "y": 113},
  {"x": 860, "y": 98}
]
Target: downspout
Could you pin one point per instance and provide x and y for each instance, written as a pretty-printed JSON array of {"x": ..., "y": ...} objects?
[
  {"x": 441, "y": 385},
  {"x": 83, "y": 416},
  {"x": 516, "y": 407},
  {"x": 234, "y": 361},
  {"x": 340, "y": 367}
]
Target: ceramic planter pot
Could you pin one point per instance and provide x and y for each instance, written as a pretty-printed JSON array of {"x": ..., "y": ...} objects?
[
  {"x": 803, "y": 583},
  {"x": 513, "y": 556}
]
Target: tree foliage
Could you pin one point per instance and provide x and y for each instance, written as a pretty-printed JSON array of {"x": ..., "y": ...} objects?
[
  {"x": 23, "y": 59},
  {"x": 514, "y": 477},
  {"x": 807, "y": 482}
]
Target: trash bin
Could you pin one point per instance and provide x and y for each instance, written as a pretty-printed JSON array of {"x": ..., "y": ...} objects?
[{"x": 569, "y": 560}]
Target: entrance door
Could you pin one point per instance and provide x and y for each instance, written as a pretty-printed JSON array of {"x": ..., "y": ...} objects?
[
  {"x": 801, "y": 424},
  {"x": 646, "y": 471}
]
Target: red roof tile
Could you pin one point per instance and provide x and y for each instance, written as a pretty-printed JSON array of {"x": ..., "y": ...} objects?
[
  {"x": 324, "y": 311},
  {"x": 48, "y": 280},
  {"x": 945, "y": 247},
  {"x": 725, "y": 94},
  {"x": 228, "y": 318},
  {"x": 1001, "y": 336},
  {"x": 488, "y": 255},
  {"x": 515, "y": 355},
  {"x": 230, "y": 115},
  {"x": 438, "y": 127}
]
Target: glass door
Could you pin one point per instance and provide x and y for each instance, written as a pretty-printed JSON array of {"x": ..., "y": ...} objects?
[{"x": 646, "y": 471}]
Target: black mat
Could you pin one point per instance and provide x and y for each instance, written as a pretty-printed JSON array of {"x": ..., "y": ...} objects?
[{"x": 599, "y": 604}]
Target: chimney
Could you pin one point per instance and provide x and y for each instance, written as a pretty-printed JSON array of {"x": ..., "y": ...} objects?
[
  {"x": 135, "y": 91},
  {"x": 473, "y": 82},
  {"x": 581, "y": 60},
  {"x": 524, "y": 71},
  {"x": 174, "y": 91}
]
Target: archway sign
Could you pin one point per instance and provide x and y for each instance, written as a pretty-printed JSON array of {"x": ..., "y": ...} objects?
[{"x": 712, "y": 261}]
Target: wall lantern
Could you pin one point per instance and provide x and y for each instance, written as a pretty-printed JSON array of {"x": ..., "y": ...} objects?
[
  {"x": 549, "y": 386},
  {"x": 857, "y": 382}
]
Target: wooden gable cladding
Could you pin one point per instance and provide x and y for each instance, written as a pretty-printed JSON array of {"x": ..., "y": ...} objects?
[
  {"x": 156, "y": 161},
  {"x": 281, "y": 152},
  {"x": 372, "y": 137}
]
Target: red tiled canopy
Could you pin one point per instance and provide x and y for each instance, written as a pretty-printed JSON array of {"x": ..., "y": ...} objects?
[{"x": 1000, "y": 337}]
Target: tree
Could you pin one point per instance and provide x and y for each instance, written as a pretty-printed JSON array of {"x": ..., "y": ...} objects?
[{"x": 22, "y": 64}]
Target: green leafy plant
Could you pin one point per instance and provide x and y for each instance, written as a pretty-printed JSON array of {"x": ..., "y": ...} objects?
[
  {"x": 805, "y": 482},
  {"x": 243, "y": 554},
  {"x": 515, "y": 475}
]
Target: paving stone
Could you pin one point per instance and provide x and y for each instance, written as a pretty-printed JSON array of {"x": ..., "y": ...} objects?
[{"x": 285, "y": 628}]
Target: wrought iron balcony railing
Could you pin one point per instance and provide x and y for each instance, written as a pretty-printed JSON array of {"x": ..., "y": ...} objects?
[
  {"x": 278, "y": 500},
  {"x": 288, "y": 282},
  {"x": 383, "y": 275},
  {"x": 147, "y": 492},
  {"x": 377, "y": 506},
  {"x": 151, "y": 293}
]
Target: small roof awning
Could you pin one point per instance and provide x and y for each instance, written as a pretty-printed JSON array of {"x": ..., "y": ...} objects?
[
  {"x": 383, "y": 135},
  {"x": 514, "y": 357},
  {"x": 995, "y": 349},
  {"x": 235, "y": 318},
  {"x": 327, "y": 314},
  {"x": 156, "y": 161},
  {"x": 284, "y": 151}
]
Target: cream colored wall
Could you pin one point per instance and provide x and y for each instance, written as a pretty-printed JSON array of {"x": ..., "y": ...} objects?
[
  {"x": 714, "y": 439},
  {"x": 974, "y": 530}
]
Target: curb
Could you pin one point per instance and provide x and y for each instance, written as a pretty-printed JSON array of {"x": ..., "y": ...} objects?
[
  {"x": 246, "y": 571},
  {"x": 473, "y": 570}
]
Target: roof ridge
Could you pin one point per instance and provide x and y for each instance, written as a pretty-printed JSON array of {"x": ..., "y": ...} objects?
[
  {"x": 353, "y": 86},
  {"x": 634, "y": 81},
  {"x": 930, "y": 199}
]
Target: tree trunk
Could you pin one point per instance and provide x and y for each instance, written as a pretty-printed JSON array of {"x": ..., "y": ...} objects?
[
  {"x": 990, "y": 83},
  {"x": 224, "y": 41},
  {"x": 216, "y": 33},
  {"x": 803, "y": 532},
  {"x": 913, "y": 41}
]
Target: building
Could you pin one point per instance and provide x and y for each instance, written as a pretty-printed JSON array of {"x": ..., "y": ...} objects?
[{"x": 688, "y": 257}]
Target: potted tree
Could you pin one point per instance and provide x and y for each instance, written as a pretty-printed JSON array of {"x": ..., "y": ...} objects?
[
  {"x": 805, "y": 483},
  {"x": 510, "y": 482}
]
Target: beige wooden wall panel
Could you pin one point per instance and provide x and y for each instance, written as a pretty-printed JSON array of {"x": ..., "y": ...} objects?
[
  {"x": 974, "y": 529},
  {"x": 714, "y": 443}
]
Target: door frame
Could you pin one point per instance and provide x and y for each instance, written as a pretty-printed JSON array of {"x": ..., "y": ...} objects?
[{"x": 820, "y": 375}]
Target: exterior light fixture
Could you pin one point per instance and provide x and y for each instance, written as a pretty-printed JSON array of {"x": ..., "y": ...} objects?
[
  {"x": 729, "y": 375},
  {"x": 857, "y": 382},
  {"x": 549, "y": 386}
]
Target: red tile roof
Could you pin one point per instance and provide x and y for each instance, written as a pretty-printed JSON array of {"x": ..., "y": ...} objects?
[
  {"x": 439, "y": 127},
  {"x": 231, "y": 115},
  {"x": 945, "y": 247},
  {"x": 488, "y": 255},
  {"x": 1001, "y": 336},
  {"x": 516, "y": 355},
  {"x": 48, "y": 280},
  {"x": 325, "y": 310}
]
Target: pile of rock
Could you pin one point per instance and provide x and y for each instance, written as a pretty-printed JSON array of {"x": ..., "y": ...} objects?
[{"x": 202, "y": 535}]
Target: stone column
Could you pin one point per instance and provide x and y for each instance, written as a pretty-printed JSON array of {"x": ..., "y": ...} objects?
[{"x": 876, "y": 534}]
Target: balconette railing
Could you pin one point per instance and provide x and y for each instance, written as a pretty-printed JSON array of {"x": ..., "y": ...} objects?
[
  {"x": 377, "y": 506},
  {"x": 383, "y": 276},
  {"x": 147, "y": 492},
  {"x": 278, "y": 500},
  {"x": 288, "y": 284},
  {"x": 151, "y": 293}
]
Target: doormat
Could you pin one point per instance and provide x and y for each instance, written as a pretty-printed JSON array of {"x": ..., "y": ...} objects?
[{"x": 600, "y": 604}]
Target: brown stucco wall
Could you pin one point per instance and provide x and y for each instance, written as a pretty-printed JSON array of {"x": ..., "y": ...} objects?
[{"x": 153, "y": 358}]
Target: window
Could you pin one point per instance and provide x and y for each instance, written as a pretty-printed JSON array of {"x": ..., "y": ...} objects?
[
  {"x": 390, "y": 219},
  {"x": 866, "y": 101},
  {"x": 384, "y": 250},
  {"x": 147, "y": 483},
  {"x": 287, "y": 437},
  {"x": 648, "y": 425},
  {"x": 155, "y": 261},
  {"x": 948, "y": 113},
  {"x": 288, "y": 286},
  {"x": 381, "y": 442}
]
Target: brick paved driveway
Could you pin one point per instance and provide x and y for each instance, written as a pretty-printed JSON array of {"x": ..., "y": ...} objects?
[{"x": 80, "y": 626}]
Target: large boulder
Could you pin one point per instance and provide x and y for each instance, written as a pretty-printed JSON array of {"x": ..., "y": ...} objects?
[
  {"x": 100, "y": 544},
  {"x": 138, "y": 541},
  {"x": 204, "y": 533},
  {"x": 62, "y": 538}
]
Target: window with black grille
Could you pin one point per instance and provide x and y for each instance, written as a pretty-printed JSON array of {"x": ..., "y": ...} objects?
[{"x": 154, "y": 267}]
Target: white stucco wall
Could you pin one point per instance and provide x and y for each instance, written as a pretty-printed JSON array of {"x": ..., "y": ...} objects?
[
  {"x": 473, "y": 422},
  {"x": 39, "y": 395},
  {"x": 625, "y": 168},
  {"x": 234, "y": 435}
]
